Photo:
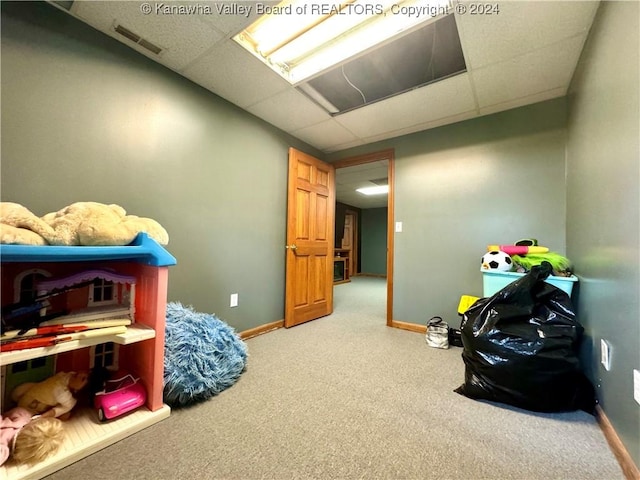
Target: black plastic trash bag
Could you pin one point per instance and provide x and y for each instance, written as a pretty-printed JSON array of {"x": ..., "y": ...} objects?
[{"x": 521, "y": 348}]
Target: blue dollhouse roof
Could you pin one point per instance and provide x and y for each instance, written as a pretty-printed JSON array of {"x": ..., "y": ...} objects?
[{"x": 143, "y": 249}]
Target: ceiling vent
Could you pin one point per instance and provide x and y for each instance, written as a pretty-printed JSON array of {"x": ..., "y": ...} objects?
[
  {"x": 135, "y": 38},
  {"x": 380, "y": 181},
  {"x": 65, "y": 4},
  {"x": 423, "y": 56}
]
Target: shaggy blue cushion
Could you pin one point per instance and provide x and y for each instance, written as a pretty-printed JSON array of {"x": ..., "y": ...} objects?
[{"x": 202, "y": 356}]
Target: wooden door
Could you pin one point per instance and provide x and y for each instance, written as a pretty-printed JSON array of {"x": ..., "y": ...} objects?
[
  {"x": 350, "y": 239},
  {"x": 310, "y": 238}
]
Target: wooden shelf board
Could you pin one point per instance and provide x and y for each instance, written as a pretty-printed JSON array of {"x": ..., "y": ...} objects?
[
  {"x": 85, "y": 435},
  {"x": 135, "y": 333}
]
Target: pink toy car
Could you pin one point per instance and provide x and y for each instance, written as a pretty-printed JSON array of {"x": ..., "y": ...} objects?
[{"x": 119, "y": 397}]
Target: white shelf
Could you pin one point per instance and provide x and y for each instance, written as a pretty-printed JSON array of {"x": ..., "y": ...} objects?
[
  {"x": 85, "y": 435},
  {"x": 135, "y": 333}
]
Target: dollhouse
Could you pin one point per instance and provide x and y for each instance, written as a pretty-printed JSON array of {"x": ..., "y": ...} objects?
[{"x": 114, "y": 300}]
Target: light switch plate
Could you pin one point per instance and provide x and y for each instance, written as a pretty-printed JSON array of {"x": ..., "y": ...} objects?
[
  {"x": 605, "y": 354},
  {"x": 398, "y": 227},
  {"x": 636, "y": 385}
]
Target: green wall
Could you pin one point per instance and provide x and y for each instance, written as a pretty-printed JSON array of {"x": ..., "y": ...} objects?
[
  {"x": 373, "y": 236},
  {"x": 603, "y": 198},
  {"x": 458, "y": 188},
  {"x": 86, "y": 118}
]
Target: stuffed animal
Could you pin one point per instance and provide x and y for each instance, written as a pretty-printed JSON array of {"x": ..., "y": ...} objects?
[
  {"x": 18, "y": 225},
  {"x": 53, "y": 397},
  {"x": 81, "y": 223},
  {"x": 28, "y": 439}
]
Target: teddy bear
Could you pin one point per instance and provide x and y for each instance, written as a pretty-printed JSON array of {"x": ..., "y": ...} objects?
[{"x": 81, "y": 223}]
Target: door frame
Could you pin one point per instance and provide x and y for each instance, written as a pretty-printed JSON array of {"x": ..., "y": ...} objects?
[
  {"x": 355, "y": 233},
  {"x": 388, "y": 154}
]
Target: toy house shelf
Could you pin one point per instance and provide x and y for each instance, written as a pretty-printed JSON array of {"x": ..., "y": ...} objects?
[
  {"x": 134, "y": 333},
  {"x": 140, "y": 347}
]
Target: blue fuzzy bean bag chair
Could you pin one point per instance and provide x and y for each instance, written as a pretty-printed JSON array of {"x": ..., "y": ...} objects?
[{"x": 202, "y": 356}]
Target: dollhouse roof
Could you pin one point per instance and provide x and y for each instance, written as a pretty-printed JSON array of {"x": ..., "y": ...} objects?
[
  {"x": 84, "y": 276},
  {"x": 143, "y": 249}
]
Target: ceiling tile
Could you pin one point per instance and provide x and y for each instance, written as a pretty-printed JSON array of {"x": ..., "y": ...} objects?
[
  {"x": 236, "y": 75},
  {"x": 345, "y": 146},
  {"x": 422, "y": 126},
  {"x": 357, "y": 176},
  {"x": 520, "y": 27},
  {"x": 522, "y": 101},
  {"x": 545, "y": 69},
  {"x": 360, "y": 177},
  {"x": 437, "y": 100},
  {"x": 230, "y": 17},
  {"x": 182, "y": 37},
  {"x": 324, "y": 135},
  {"x": 289, "y": 110}
]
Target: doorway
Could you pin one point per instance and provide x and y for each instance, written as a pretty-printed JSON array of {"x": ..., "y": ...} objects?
[{"x": 360, "y": 168}]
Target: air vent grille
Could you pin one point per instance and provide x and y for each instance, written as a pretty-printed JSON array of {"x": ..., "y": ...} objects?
[
  {"x": 125, "y": 32},
  {"x": 66, "y": 4},
  {"x": 149, "y": 46},
  {"x": 135, "y": 38},
  {"x": 380, "y": 181}
]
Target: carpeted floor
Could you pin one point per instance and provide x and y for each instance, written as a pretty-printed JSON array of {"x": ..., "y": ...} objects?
[{"x": 347, "y": 397}]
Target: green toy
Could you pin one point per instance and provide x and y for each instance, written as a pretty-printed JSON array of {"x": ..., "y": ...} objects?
[{"x": 561, "y": 265}]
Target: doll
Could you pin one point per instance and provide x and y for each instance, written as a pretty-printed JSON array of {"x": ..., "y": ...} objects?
[
  {"x": 28, "y": 439},
  {"x": 53, "y": 397}
]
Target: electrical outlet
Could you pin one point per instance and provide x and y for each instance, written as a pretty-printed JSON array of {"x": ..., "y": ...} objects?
[
  {"x": 636, "y": 385},
  {"x": 605, "y": 354},
  {"x": 234, "y": 300}
]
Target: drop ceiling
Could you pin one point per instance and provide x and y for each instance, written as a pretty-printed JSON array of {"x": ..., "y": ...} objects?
[
  {"x": 523, "y": 54},
  {"x": 348, "y": 179}
]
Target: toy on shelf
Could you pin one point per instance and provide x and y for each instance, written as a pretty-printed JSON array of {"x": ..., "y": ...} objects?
[
  {"x": 561, "y": 265},
  {"x": 119, "y": 396},
  {"x": 518, "y": 249},
  {"x": 12, "y": 345},
  {"x": 526, "y": 254},
  {"x": 136, "y": 307},
  {"x": 28, "y": 439},
  {"x": 85, "y": 304},
  {"x": 61, "y": 329},
  {"x": 496, "y": 260},
  {"x": 53, "y": 397},
  {"x": 81, "y": 223}
]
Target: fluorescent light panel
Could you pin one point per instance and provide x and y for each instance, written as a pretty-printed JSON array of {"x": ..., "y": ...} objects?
[
  {"x": 304, "y": 37},
  {"x": 377, "y": 190}
]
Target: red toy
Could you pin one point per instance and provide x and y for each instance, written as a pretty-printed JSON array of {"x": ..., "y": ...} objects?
[
  {"x": 119, "y": 397},
  {"x": 517, "y": 249}
]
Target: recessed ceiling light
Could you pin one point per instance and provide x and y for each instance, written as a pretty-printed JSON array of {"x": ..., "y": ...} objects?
[
  {"x": 300, "y": 38},
  {"x": 378, "y": 190}
]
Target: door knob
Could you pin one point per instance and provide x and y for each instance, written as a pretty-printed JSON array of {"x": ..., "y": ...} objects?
[{"x": 292, "y": 247}]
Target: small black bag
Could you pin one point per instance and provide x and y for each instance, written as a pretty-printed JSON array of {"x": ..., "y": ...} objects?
[{"x": 455, "y": 337}]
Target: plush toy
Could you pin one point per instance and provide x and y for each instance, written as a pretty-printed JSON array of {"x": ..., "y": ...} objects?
[
  {"x": 496, "y": 260},
  {"x": 18, "y": 225},
  {"x": 81, "y": 223},
  {"x": 53, "y": 397},
  {"x": 28, "y": 439},
  {"x": 561, "y": 264}
]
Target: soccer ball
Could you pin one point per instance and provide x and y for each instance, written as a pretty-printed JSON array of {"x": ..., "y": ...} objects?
[{"x": 496, "y": 260}]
